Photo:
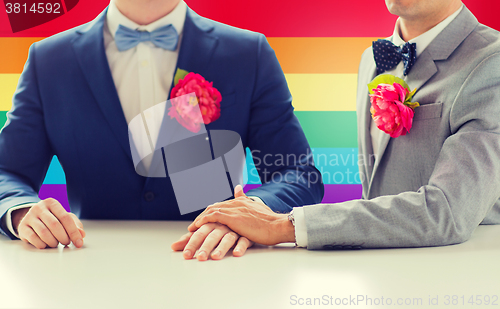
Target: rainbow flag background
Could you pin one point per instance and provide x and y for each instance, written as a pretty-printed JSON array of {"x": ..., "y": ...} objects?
[{"x": 318, "y": 43}]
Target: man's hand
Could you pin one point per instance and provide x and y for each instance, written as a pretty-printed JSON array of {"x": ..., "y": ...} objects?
[
  {"x": 248, "y": 218},
  {"x": 212, "y": 239},
  {"x": 46, "y": 224},
  {"x": 210, "y": 236}
]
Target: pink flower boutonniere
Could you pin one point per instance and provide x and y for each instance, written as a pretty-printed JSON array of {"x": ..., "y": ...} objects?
[
  {"x": 391, "y": 106},
  {"x": 193, "y": 110}
]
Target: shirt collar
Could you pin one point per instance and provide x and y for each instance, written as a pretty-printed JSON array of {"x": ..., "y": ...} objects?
[
  {"x": 426, "y": 38},
  {"x": 177, "y": 18}
]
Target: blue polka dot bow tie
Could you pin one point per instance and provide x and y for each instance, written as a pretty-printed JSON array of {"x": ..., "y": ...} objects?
[
  {"x": 387, "y": 55},
  {"x": 165, "y": 37}
]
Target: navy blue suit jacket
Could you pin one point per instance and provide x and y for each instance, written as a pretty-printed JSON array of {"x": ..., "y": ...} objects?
[{"x": 66, "y": 105}]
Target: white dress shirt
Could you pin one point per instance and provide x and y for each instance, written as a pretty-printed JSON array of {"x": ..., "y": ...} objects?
[
  {"x": 143, "y": 74},
  {"x": 376, "y": 134}
]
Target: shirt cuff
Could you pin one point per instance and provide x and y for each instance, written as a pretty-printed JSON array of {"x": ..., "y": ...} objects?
[
  {"x": 8, "y": 216},
  {"x": 300, "y": 227}
]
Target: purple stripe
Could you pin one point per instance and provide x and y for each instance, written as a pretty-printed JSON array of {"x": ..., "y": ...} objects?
[
  {"x": 57, "y": 192},
  {"x": 341, "y": 193},
  {"x": 333, "y": 193}
]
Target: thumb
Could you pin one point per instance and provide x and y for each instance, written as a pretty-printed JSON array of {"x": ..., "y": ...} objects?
[{"x": 238, "y": 191}]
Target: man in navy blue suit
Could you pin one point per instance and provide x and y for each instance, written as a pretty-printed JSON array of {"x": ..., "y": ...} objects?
[{"x": 80, "y": 88}]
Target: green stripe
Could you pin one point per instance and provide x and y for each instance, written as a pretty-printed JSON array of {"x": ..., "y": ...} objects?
[
  {"x": 322, "y": 129},
  {"x": 3, "y": 119},
  {"x": 329, "y": 129}
]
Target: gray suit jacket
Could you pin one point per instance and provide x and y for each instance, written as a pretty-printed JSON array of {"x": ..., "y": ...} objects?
[{"x": 435, "y": 185}]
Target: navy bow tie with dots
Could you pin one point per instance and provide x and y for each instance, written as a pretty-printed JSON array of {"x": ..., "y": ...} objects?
[{"x": 387, "y": 55}]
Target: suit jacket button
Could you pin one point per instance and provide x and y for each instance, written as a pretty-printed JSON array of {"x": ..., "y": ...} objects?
[
  {"x": 337, "y": 247},
  {"x": 149, "y": 196}
]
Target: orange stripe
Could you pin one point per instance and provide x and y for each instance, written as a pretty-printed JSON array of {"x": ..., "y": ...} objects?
[
  {"x": 320, "y": 55},
  {"x": 13, "y": 54},
  {"x": 296, "y": 55}
]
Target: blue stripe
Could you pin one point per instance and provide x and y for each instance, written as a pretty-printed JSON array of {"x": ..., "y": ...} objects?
[{"x": 337, "y": 165}]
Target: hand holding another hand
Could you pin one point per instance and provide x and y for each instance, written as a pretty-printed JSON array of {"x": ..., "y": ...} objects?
[
  {"x": 46, "y": 224},
  {"x": 212, "y": 237},
  {"x": 251, "y": 219}
]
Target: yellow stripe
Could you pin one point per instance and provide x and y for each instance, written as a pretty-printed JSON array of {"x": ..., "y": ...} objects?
[
  {"x": 8, "y": 84},
  {"x": 311, "y": 92},
  {"x": 323, "y": 92}
]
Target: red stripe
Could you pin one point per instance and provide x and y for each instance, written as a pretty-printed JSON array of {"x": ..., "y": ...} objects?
[
  {"x": 277, "y": 18},
  {"x": 298, "y": 18}
]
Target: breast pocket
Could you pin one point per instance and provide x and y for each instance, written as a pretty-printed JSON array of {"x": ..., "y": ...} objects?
[{"x": 428, "y": 111}]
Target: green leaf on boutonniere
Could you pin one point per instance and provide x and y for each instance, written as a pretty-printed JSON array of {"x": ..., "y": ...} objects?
[
  {"x": 412, "y": 105},
  {"x": 387, "y": 79},
  {"x": 408, "y": 101},
  {"x": 409, "y": 96},
  {"x": 179, "y": 74}
]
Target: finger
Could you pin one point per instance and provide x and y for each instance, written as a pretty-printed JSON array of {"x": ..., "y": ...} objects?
[
  {"x": 196, "y": 240},
  {"x": 27, "y": 235},
  {"x": 68, "y": 223},
  {"x": 192, "y": 227},
  {"x": 211, "y": 241},
  {"x": 216, "y": 216},
  {"x": 238, "y": 191},
  {"x": 55, "y": 227},
  {"x": 79, "y": 224},
  {"x": 225, "y": 244},
  {"x": 181, "y": 243},
  {"x": 44, "y": 233},
  {"x": 209, "y": 211},
  {"x": 211, "y": 208},
  {"x": 242, "y": 246},
  {"x": 217, "y": 207}
]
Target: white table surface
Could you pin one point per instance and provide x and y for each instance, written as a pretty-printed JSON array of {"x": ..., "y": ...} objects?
[{"x": 129, "y": 264}]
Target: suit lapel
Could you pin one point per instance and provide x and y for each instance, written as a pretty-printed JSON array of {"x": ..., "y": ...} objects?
[
  {"x": 425, "y": 67},
  {"x": 441, "y": 48},
  {"x": 365, "y": 123},
  {"x": 195, "y": 53},
  {"x": 91, "y": 55},
  {"x": 197, "y": 46},
  {"x": 423, "y": 70}
]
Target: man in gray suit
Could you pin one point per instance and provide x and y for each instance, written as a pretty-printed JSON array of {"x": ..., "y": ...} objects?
[{"x": 430, "y": 187}]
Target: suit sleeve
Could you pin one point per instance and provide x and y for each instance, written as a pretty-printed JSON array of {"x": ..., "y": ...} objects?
[
  {"x": 279, "y": 147},
  {"x": 462, "y": 190},
  {"x": 25, "y": 151}
]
